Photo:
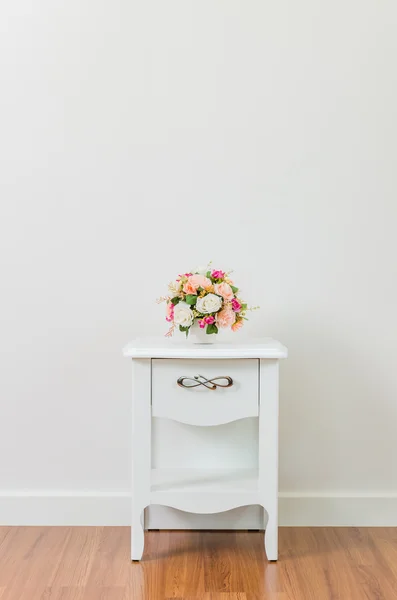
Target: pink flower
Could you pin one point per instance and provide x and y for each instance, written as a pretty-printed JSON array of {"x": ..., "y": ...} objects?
[
  {"x": 200, "y": 281},
  {"x": 209, "y": 320},
  {"x": 169, "y": 312},
  {"x": 189, "y": 288},
  {"x": 202, "y": 323},
  {"x": 224, "y": 290},
  {"x": 237, "y": 325},
  {"x": 194, "y": 282},
  {"x": 225, "y": 317},
  {"x": 236, "y": 306},
  {"x": 218, "y": 274}
]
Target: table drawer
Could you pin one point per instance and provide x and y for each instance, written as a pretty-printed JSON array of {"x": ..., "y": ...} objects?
[{"x": 205, "y": 392}]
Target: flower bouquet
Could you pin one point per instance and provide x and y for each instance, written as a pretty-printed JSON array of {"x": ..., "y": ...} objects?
[{"x": 206, "y": 300}]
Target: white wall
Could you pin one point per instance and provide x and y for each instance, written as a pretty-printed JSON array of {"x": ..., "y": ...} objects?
[{"x": 137, "y": 141}]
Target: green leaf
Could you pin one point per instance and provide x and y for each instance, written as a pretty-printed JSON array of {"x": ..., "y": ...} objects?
[
  {"x": 191, "y": 299},
  {"x": 244, "y": 306},
  {"x": 234, "y": 289},
  {"x": 181, "y": 328},
  {"x": 208, "y": 274},
  {"x": 212, "y": 328},
  {"x": 175, "y": 300}
]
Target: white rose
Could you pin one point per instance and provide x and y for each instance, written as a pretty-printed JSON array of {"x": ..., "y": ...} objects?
[
  {"x": 183, "y": 314},
  {"x": 209, "y": 304}
]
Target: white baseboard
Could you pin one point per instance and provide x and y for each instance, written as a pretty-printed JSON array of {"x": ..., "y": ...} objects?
[
  {"x": 113, "y": 508},
  {"x": 64, "y": 508},
  {"x": 338, "y": 510}
]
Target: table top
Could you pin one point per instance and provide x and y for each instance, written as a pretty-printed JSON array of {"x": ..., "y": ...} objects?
[{"x": 171, "y": 348}]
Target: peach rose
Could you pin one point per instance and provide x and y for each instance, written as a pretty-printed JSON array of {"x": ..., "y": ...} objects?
[
  {"x": 225, "y": 317},
  {"x": 194, "y": 282},
  {"x": 189, "y": 288},
  {"x": 200, "y": 281},
  {"x": 224, "y": 290},
  {"x": 237, "y": 325}
]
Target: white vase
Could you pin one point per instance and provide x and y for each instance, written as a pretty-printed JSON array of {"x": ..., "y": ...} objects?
[{"x": 200, "y": 336}]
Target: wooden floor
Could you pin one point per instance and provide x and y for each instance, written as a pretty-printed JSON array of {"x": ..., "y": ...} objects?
[{"x": 65, "y": 563}]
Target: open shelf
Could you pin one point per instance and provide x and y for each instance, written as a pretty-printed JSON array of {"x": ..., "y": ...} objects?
[
  {"x": 204, "y": 490},
  {"x": 204, "y": 480}
]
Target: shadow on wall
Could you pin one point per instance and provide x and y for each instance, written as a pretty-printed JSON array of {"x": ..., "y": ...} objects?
[{"x": 337, "y": 413}]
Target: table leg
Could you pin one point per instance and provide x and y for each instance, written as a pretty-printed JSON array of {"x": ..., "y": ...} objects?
[
  {"x": 141, "y": 452},
  {"x": 268, "y": 452}
]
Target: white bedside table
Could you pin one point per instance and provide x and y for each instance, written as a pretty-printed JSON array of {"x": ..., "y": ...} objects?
[{"x": 204, "y": 386}]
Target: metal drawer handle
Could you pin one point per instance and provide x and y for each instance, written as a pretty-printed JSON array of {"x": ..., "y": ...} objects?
[{"x": 210, "y": 384}]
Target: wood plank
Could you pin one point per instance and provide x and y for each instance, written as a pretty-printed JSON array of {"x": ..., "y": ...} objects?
[
  {"x": 185, "y": 567},
  {"x": 30, "y": 557},
  {"x": 76, "y": 559},
  {"x": 111, "y": 562},
  {"x": 93, "y": 563},
  {"x": 248, "y": 552},
  {"x": 218, "y": 560}
]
